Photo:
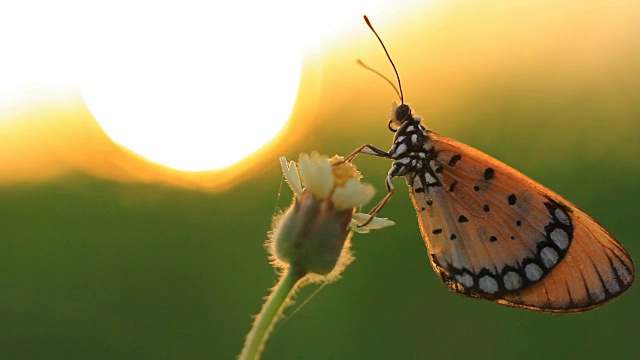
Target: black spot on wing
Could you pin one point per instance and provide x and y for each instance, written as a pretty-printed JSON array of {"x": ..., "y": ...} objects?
[
  {"x": 454, "y": 159},
  {"x": 453, "y": 185},
  {"x": 462, "y": 219},
  {"x": 489, "y": 173}
]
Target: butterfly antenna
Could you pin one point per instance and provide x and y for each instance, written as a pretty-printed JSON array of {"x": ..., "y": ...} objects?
[
  {"x": 400, "y": 93},
  {"x": 379, "y": 74}
]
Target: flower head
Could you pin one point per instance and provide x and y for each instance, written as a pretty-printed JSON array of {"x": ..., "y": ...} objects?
[{"x": 313, "y": 231}]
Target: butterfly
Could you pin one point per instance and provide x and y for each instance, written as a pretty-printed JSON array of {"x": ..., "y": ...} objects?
[{"x": 493, "y": 233}]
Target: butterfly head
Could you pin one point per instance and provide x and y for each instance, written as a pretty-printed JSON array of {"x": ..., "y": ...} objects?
[{"x": 400, "y": 114}]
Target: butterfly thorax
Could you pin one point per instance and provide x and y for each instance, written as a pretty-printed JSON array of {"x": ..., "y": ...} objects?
[{"x": 411, "y": 151}]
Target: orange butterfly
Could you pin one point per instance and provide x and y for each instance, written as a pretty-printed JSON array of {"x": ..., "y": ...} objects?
[{"x": 493, "y": 233}]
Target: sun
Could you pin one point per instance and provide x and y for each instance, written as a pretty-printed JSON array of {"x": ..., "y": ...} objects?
[
  {"x": 201, "y": 88},
  {"x": 195, "y": 86},
  {"x": 196, "y": 92}
]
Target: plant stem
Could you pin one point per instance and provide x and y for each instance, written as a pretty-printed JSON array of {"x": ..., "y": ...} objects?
[{"x": 270, "y": 313}]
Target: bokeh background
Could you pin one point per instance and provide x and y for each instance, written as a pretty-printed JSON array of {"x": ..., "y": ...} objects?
[{"x": 104, "y": 254}]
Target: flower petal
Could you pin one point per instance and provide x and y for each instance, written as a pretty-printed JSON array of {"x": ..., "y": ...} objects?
[
  {"x": 352, "y": 194},
  {"x": 290, "y": 172},
  {"x": 316, "y": 174},
  {"x": 375, "y": 223},
  {"x": 359, "y": 229}
]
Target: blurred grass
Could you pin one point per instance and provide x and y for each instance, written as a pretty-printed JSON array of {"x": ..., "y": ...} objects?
[{"x": 97, "y": 269}]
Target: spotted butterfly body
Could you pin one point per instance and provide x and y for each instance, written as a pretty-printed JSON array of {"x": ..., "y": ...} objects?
[{"x": 493, "y": 233}]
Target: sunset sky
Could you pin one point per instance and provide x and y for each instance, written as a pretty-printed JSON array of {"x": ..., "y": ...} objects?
[{"x": 188, "y": 92}]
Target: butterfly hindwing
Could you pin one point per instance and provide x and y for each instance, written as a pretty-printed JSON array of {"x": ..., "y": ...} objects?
[
  {"x": 493, "y": 233},
  {"x": 594, "y": 271}
]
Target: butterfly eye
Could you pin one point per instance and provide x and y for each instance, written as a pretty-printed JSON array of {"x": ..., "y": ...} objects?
[{"x": 402, "y": 113}]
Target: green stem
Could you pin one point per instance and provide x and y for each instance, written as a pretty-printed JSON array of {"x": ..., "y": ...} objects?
[{"x": 270, "y": 313}]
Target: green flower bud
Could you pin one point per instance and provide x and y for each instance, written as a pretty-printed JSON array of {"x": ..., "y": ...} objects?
[{"x": 312, "y": 235}]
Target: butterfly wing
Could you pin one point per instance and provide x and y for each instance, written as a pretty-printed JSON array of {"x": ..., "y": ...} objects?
[{"x": 493, "y": 233}]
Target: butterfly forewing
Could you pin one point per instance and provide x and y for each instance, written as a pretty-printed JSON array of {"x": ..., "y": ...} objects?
[{"x": 492, "y": 232}]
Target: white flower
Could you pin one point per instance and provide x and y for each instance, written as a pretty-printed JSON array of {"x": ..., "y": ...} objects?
[
  {"x": 328, "y": 178},
  {"x": 316, "y": 174},
  {"x": 352, "y": 194},
  {"x": 290, "y": 171},
  {"x": 376, "y": 223},
  {"x": 313, "y": 233}
]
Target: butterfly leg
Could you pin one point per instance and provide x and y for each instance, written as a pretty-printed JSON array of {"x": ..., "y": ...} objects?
[
  {"x": 372, "y": 150},
  {"x": 390, "y": 190},
  {"x": 376, "y": 209},
  {"x": 367, "y": 149}
]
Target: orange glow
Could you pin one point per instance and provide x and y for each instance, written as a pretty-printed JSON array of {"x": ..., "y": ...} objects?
[
  {"x": 191, "y": 96},
  {"x": 447, "y": 55},
  {"x": 50, "y": 140}
]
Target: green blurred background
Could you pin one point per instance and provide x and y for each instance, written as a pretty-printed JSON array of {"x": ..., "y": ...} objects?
[{"x": 95, "y": 268}]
